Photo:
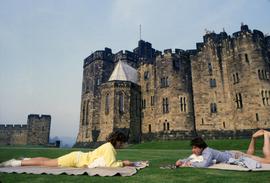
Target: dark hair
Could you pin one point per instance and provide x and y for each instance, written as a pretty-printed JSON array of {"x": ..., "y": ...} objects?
[
  {"x": 116, "y": 136},
  {"x": 198, "y": 142}
]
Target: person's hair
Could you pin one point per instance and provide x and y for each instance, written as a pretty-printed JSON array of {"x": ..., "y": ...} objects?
[
  {"x": 198, "y": 142},
  {"x": 116, "y": 136}
]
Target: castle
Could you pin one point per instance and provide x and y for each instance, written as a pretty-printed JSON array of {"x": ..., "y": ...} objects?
[
  {"x": 221, "y": 89},
  {"x": 36, "y": 132}
]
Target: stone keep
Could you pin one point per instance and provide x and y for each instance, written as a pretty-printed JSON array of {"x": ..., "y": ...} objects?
[{"x": 220, "y": 89}]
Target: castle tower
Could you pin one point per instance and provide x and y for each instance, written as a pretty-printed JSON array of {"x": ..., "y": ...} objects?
[
  {"x": 167, "y": 105},
  {"x": 38, "y": 129},
  {"x": 97, "y": 70},
  {"x": 120, "y": 103},
  {"x": 230, "y": 81}
]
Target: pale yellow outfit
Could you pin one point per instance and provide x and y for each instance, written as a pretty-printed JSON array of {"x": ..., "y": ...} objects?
[{"x": 103, "y": 156}]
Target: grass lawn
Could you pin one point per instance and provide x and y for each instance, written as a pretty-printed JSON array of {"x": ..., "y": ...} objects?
[{"x": 158, "y": 153}]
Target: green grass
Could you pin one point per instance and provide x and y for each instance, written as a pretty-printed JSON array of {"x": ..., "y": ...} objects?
[{"x": 158, "y": 153}]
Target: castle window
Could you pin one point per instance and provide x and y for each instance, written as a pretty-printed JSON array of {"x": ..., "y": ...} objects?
[
  {"x": 257, "y": 117},
  {"x": 235, "y": 78},
  {"x": 224, "y": 126},
  {"x": 268, "y": 93},
  {"x": 164, "y": 126},
  {"x": 183, "y": 104},
  {"x": 263, "y": 97},
  {"x": 210, "y": 69},
  {"x": 83, "y": 114},
  {"x": 107, "y": 105},
  {"x": 213, "y": 83},
  {"x": 259, "y": 74},
  {"x": 238, "y": 100},
  {"x": 202, "y": 122},
  {"x": 98, "y": 81},
  {"x": 143, "y": 103},
  {"x": 265, "y": 74},
  {"x": 149, "y": 128},
  {"x": 266, "y": 97},
  {"x": 168, "y": 126},
  {"x": 213, "y": 107},
  {"x": 152, "y": 100},
  {"x": 246, "y": 58},
  {"x": 121, "y": 102},
  {"x": 146, "y": 75},
  {"x": 87, "y": 110},
  {"x": 165, "y": 105},
  {"x": 147, "y": 87},
  {"x": 164, "y": 82}
]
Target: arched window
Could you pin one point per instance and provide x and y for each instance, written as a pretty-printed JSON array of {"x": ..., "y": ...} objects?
[
  {"x": 213, "y": 107},
  {"x": 149, "y": 128},
  {"x": 107, "y": 104},
  {"x": 87, "y": 110},
  {"x": 168, "y": 126},
  {"x": 259, "y": 74},
  {"x": 164, "y": 126},
  {"x": 121, "y": 102}
]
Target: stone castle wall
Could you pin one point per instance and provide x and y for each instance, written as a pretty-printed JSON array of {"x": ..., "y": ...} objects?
[
  {"x": 36, "y": 132},
  {"x": 221, "y": 89}
]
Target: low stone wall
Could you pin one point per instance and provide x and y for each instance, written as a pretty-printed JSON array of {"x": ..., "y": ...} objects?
[{"x": 187, "y": 135}]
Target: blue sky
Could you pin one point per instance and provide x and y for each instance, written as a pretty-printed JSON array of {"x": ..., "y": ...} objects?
[{"x": 43, "y": 44}]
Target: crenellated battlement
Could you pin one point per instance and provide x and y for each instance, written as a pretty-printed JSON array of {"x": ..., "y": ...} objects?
[
  {"x": 230, "y": 42},
  {"x": 105, "y": 54},
  {"x": 13, "y": 127},
  {"x": 144, "y": 50},
  {"x": 36, "y": 131},
  {"x": 175, "y": 52},
  {"x": 39, "y": 117},
  {"x": 125, "y": 55}
]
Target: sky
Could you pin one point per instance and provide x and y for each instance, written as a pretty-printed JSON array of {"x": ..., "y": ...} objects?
[{"x": 43, "y": 45}]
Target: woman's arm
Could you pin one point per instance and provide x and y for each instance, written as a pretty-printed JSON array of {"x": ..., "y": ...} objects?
[{"x": 128, "y": 163}]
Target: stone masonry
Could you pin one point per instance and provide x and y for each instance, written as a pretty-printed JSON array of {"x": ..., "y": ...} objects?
[
  {"x": 36, "y": 132},
  {"x": 220, "y": 89}
]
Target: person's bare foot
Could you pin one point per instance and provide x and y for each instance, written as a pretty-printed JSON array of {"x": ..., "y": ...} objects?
[
  {"x": 267, "y": 133},
  {"x": 258, "y": 133}
]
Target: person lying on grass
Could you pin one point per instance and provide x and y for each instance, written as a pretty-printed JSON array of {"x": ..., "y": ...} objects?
[
  {"x": 200, "y": 148},
  {"x": 103, "y": 156}
]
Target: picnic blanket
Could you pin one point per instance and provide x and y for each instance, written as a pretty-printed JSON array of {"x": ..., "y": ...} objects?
[
  {"x": 100, "y": 171},
  {"x": 225, "y": 166}
]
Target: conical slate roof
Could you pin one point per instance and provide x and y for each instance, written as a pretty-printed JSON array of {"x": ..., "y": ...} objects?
[{"x": 124, "y": 72}]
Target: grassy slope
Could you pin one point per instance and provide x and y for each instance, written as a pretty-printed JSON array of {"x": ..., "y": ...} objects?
[{"x": 158, "y": 153}]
